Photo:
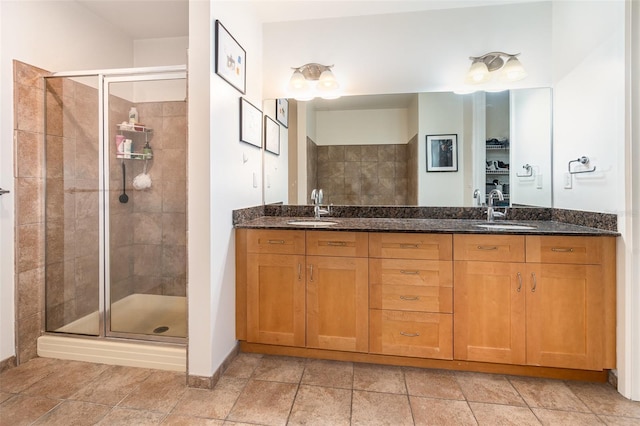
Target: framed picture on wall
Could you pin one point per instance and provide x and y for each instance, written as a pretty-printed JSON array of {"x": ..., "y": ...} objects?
[
  {"x": 282, "y": 112},
  {"x": 442, "y": 153},
  {"x": 271, "y": 135},
  {"x": 250, "y": 123},
  {"x": 231, "y": 59}
]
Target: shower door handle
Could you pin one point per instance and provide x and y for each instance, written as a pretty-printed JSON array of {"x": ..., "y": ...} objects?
[{"x": 4, "y": 191}]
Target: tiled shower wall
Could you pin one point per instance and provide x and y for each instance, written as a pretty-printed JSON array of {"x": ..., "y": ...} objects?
[
  {"x": 151, "y": 227},
  {"x": 363, "y": 174}
]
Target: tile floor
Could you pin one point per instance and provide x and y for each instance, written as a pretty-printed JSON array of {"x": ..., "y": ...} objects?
[{"x": 269, "y": 390}]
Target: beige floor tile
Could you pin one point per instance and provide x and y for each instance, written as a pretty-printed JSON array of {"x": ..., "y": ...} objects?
[
  {"x": 502, "y": 415},
  {"x": 619, "y": 421},
  {"x": 243, "y": 365},
  {"x": 602, "y": 398},
  {"x": 441, "y": 412},
  {"x": 546, "y": 393},
  {"x": 432, "y": 383},
  {"x": 320, "y": 406},
  {"x": 334, "y": 374},
  {"x": 373, "y": 409},
  {"x": 113, "y": 385},
  {"x": 4, "y": 396},
  {"x": 127, "y": 416},
  {"x": 279, "y": 369},
  {"x": 20, "y": 378},
  {"x": 379, "y": 378},
  {"x": 490, "y": 388},
  {"x": 558, "y": 417},
  {"x": 75, "y": 413},
  {"x": 180, "y": 420},
  {"x": 212, "y": 404},
  {"x": 159, "y": 392},
  {"x": 24, "y": 410},
  {"x": 68, "y": 378},
  {"x": 265, "y": 403}
]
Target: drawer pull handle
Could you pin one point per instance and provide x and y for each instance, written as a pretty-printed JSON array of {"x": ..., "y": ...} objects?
[
  {"x": 311, "y": 272},
  {"x": 410, "y": 246},
  {"x": 402, "y": 333},
  {"x": 410, "y": 297},
  {"x": 299, "y": 271},
  {"x": 562, "y": 249},
  {"x": 336, "y": 243},
  {"x": 487, "y": 248},
  {"x": 535, "y": 282},
  {"x": 519, "y": 282},
  {"x": 276, "y": 241},
  {"x": 402, "y": 271}
]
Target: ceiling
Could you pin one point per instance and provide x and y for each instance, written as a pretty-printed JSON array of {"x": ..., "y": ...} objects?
[{"x": 142, "y": 19}]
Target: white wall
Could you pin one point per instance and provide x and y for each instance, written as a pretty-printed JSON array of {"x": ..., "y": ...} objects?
[
  {"x": 363, "y": 127},
  {"x": 56, "y": 36},
  {"x": 409, "y": 52},
  {"x": 219, "y": 178},
  {"x": 591, "y": 86},
  {"x": 441, "y": 113},
  {"x": 160, "y": 51}
]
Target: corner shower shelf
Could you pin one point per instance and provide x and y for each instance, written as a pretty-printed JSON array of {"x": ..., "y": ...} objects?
[
  {"x": 135, "y": 156},
  {"x": 136, "y": 129}
]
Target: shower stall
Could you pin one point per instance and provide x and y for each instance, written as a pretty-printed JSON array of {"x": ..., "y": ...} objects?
[{"x": 115, "y": 219}]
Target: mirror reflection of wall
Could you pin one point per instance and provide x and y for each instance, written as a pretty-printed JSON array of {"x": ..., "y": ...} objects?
[{"x": 371, "y": 150}]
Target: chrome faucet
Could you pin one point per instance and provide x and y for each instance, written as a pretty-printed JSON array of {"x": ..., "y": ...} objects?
[
  {"x": 317, "y": 197},
  {"x": 491, "y": 213}
]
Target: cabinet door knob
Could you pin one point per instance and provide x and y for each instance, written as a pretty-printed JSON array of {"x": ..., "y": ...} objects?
[
  {"x": 402, "y": 333},
  {"x": 405, "y": 272},
  {"x": 519, "y": 282},
  {"x": 299, "y": 271},
  {"x": 487, "y": 248},
  {"x": 311, "y": 272},
  {"x": 562, "y": 249},
  {"x": 336, "y": 243},
  {"x": 410, "y": 246},
  {"x": 535, "y": 282},
  {"x": 410, "y": 297},
  {"x": 276, "y": 241}
]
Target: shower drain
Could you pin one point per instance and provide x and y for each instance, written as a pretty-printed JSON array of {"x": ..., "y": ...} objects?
[{"x": 161, "y": 329}]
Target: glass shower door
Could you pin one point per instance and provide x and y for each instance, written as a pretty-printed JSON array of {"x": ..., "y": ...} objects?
[
  {"x": 72, "y": 205},
  {"x": 146, "y": 208}
]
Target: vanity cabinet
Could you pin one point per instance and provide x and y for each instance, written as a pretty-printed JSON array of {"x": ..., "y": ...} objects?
[
  {"x": 538, "y": 300},
  {"x": 337, "y": 291},
  {"x": 411, "y": 284},
  {"x": 275, "y": 287}
]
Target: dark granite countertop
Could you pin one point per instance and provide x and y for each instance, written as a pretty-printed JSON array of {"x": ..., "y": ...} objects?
[{"x": 463, "y": 226}]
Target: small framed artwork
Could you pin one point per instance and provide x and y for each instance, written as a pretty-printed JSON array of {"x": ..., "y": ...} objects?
[
  {"x": 282, "y": 112},
  {"x": 250, "y": 123},
  {"x": 231, "y": 59},
  {"x": 442, "y": 153},
  {"x": 271, "y": 135}
]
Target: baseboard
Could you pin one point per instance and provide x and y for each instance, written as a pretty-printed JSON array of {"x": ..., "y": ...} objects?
[
  {"x": 8, "y": 363},
  {"x": 209, "y": 382},
  {"x": 114, "y": 352}
]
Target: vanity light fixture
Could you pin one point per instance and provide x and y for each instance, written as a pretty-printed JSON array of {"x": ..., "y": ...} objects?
[
  {"x": 483, "y": 66},
  {"x": 311, "y": 80}
]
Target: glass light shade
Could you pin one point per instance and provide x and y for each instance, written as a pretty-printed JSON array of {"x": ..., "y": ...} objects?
[
  {"x": 478, "y": 73},
  {"x": 327, "y": 81},
  {"x": 513, "y": 70},
  {"x": 299, "y": 87}
]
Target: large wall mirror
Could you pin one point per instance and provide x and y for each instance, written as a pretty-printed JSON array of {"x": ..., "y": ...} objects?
[{"x": 376, "y": 149}]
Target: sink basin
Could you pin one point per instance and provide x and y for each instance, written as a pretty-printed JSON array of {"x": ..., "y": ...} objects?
[
  {"x": 504, "y": 226},
  {"x": 311, "y": 223}
]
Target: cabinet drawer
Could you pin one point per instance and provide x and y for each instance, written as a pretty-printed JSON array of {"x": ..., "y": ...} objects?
[
  {"x": 411, "y": 285},
  {"x": 492, "y": 248},
  {"x": 563, "y": 249},
  {"x": 275, "y": 241},
  {"x": 416, "y": 334},
  {"x": 410, "y": 246},
  {"x": 328, "y": 243}
]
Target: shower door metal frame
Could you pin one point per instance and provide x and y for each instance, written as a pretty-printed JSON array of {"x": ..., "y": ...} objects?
[
  {"x": 104, "y": 77},
  {"x": 106, "y": 287}
]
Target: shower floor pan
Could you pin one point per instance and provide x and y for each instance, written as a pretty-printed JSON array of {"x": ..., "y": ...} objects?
[
  {"x": 137, "y": 313},
  {"x": 150, "y": 314}
]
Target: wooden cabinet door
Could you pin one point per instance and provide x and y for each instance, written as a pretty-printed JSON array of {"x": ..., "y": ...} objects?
[
  {"x": 565, "y": 316},
  {"x": 489, "y": 312},
  {"x": 276, "y": 299},
  {"x": 337, "y": 303}
]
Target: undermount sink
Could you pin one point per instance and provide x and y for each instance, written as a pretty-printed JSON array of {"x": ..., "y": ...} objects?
[
  {"x": 504, "y": 226},
  {"x": 311, "y": 223}
]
